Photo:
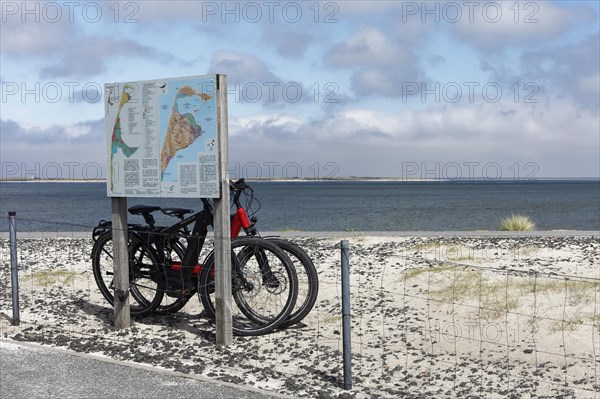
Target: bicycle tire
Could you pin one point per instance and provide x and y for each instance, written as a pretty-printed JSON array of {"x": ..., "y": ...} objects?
[
  {"x": 146, "y": 291},
  {"x": 308, "y": 280},
  {"x": 258, "y": 309}
]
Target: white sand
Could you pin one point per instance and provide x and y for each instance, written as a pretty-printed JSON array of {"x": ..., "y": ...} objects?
[{"x": 424, "y": 324}]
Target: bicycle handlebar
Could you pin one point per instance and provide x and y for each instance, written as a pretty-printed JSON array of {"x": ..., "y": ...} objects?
[
  {"x": 239, "y": 184},
  {"x": 238, "y": 188}
]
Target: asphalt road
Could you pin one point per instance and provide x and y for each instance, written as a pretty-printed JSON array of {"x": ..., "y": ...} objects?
[{"x": 31, "y": 371}]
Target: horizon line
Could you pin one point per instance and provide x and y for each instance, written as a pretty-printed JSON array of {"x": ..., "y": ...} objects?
[{"x": 340, "y": 178}]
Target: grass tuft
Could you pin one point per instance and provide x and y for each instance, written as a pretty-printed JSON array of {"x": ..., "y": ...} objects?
[
  {"x": 51, "y": 277},
  {"x": 517, "y": 223}
]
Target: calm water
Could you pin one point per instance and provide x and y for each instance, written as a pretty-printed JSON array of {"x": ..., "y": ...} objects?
[{"x": 334, "y": 206}]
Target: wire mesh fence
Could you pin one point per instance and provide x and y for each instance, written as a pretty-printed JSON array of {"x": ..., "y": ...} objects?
[{"x": 431, "y": 316}]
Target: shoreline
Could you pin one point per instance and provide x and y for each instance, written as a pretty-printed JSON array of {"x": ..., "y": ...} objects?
[
  {"x": 349, "y": 234},
  {"x": 348, "y": 179}
]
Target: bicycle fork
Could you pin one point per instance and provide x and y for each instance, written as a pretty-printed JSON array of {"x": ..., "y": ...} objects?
[{"x": 241, "y": 221}]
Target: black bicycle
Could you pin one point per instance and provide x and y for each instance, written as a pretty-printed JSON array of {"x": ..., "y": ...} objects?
[
  {"x": 264, "y": 282},
  {"x": 308, "y": 281}
]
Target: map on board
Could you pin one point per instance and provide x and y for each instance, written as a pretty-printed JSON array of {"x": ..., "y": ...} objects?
[
  {"x": 163, "y": 138},
  {"x": 116, "y": 138}
]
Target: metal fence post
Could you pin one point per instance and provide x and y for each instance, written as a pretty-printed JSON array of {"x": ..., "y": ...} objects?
[
  {"x": 14, "y": 273},
  {"x": 346, "y": 331}
]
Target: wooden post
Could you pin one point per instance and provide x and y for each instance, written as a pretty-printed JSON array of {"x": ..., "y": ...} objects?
[
  {"x": 221, "y": 225},
  {"x": 120, "y": 262}
]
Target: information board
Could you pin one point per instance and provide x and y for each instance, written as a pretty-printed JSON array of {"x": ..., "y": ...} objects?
[{"x": 162, "y": 138}]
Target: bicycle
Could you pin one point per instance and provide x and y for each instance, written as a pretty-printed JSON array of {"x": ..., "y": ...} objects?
[
  {"x": 263, "y": 300},
  {"x": 308, "y": 282}
]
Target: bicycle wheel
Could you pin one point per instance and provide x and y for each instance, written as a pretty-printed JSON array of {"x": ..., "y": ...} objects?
[
  {"x": 146, "y": 290},
  {"x": 308, "y": 280},
  {"x": 263, "y": 300}
]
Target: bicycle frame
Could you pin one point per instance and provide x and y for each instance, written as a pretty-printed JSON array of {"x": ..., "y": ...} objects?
[
  {"x": 195, "y": 241},
  {"x": 162, "y": 239},
  {"x": 240, "y": 219}
]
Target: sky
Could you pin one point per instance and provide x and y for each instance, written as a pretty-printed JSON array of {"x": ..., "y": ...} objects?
[{"x": 436, "y": 90}]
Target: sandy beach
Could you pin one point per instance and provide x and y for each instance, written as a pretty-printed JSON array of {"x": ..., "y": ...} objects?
[{"x": 453, "y": 316}]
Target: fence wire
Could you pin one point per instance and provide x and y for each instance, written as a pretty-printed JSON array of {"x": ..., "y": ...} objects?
[{"x": 431, "y": 317}]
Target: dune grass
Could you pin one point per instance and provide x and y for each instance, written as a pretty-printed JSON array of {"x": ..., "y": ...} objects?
[
  {"x": 517, "y": 223},
  {"x": 497, "y": 295},
  {"x": 51, "y": 277}
]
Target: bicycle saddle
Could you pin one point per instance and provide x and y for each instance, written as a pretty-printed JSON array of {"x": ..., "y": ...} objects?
[
  {"x": 141, "y": 209},
  {"x": 179, "y": 212}
]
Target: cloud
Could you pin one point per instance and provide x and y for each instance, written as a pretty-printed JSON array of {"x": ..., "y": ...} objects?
[
  {"x": 63, "y": 49},
  {"x": 90, "y": 57},
  {"x": 368, "y": 47},
  {"x": 487, "y": 125},
  {"x": 573, "y": 71},
  {"x": 14, "y": 133},
  {"x": 379, "y": 141},
  {"x": 436, "y": 60},
  {"x": 288, "y": 44},
  {"x": 557, "y": 137},
  {"x": 379, "y": 62},
  {"x": 241, "y": 67},
  {"x": 569, "y": 71},
  {"x": 385, "y": 82},
  {"x": 266, "y": 127},
  {"x": 249, "y": 79},
  {"x": 27, "y": 39},
  {"x": 67, "y": 151},
  {"x": 496, "y": 26},
  {"x": 360, "y": 9},
  {"x": 172, "y": 11}
]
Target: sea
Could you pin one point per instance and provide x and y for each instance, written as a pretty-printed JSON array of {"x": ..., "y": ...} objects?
[{"x": 332, "y": 205}]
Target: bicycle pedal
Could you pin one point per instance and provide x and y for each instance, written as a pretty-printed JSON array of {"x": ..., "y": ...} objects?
[{"x": 177, "y": 288}]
